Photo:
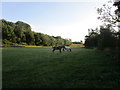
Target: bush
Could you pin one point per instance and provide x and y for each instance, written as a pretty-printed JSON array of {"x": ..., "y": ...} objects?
[{"x": 23, "y": 43}]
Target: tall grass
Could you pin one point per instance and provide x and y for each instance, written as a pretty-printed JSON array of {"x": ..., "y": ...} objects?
[{"x": 38, "y": 67}]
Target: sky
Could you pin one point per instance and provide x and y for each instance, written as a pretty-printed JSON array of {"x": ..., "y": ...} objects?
[{"x": 70, "y": 20}]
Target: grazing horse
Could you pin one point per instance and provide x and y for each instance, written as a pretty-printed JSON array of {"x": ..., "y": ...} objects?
[
  {"x": 67, "y": 48},
  {"x": 58, "y": 48}
]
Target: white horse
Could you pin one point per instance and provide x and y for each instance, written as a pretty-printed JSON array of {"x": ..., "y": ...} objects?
[{"x": 67, "y": 48}]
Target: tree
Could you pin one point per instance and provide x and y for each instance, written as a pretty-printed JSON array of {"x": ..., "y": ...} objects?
[
  {"x": 8, "y": 31},
  {"x": 21, "y": 29},
  {"x": 107, "y": 14},
  {"x": 37, "y": 39},
  {"x": 92, "y": 39},
  {"x": 29, "y": 37},
  {"x": 107, "y": 37},
  {"x": 68, "y": 42}
]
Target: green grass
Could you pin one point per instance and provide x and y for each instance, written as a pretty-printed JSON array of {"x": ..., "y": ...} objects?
[{"x": 38, "y": 67}]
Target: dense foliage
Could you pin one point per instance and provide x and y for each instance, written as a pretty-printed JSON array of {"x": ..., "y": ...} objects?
[
  {"x": 106, "y": 38},
  {"x": 20, "y": 33},
  {"x": 103, "y": 38}
]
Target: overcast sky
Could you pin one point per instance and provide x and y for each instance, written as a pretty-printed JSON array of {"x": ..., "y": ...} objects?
[{"x": 66, "y": 19}]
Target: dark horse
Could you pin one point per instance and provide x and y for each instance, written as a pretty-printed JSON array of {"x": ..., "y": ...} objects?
[{"x": 58, "y": 48}]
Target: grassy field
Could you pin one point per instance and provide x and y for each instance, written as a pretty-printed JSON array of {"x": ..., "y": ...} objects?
[{"x": 38, "y": 67}]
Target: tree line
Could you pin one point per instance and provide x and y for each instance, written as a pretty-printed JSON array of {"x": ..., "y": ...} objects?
[{"x": 20, "y": 33}]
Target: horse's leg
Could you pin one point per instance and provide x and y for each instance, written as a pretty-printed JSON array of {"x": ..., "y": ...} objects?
[
  {"x": 53, "y": 50},
  {"x": 60, "y": 50},
  {"x": 70, "y": 50},
  {"x": 64, "y": 49}
]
